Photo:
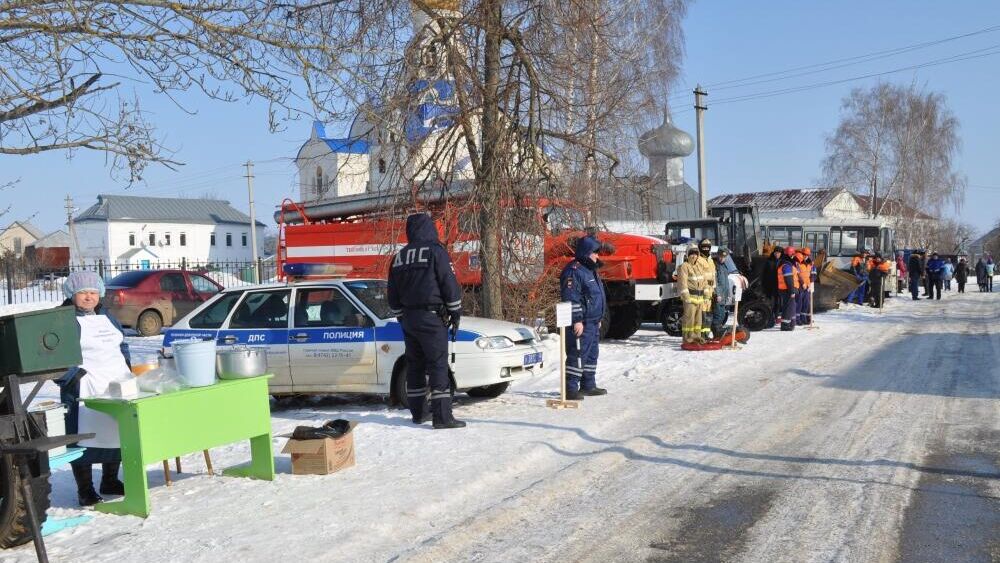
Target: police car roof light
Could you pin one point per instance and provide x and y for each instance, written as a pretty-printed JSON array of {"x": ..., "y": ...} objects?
[{"x": 309, "y": 270}]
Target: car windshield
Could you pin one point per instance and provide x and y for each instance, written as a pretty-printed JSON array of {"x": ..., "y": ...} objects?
[
  {"x": 372, "y": 294},
  {"x": 130, "y": 279}
]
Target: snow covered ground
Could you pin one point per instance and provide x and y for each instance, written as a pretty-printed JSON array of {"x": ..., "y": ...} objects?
[{"x": 873, "y": 437}]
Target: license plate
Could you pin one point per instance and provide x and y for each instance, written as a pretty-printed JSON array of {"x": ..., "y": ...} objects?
[{"x": 535, "y": 358}]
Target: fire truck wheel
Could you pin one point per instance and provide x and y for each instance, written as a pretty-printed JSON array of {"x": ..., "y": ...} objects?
[
  {"x": 755, "y": 315},
  {"x": 605, "y": 323},
  {"x": 670, "y": 318},
  {"x": 489, "y": 391},
  {"x": 14, "y": 527},
  {"x": 149, "y": 324},
  {"x": 625, "y": 320}
]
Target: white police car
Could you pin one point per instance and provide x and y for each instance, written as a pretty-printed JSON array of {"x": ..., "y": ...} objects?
[{"x": 338, "y": 336}]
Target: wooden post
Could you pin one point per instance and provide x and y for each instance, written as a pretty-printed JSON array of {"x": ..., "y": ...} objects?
[
  {"x": 561, "y": 402},
  {"x": 166, "y": 472},
  {"x": 812, "y": 298},
  {"x": 736, "y": 322}
]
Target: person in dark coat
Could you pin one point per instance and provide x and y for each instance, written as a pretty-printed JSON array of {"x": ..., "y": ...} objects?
[
  {"x": 769, "y": 283},
  {"x": 424, "y": 294},
  {"x": 935, "y": 274},
  {"x": 961, "y": 274},
  {"x": 581, "y": 285},
  {"x": 100, "y": 336},
  {"x": 981, "y": 274},
  {"x": 915, "y": 267}
]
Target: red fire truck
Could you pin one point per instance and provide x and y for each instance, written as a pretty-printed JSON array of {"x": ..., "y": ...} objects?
[{"x": 538, "y": 242}]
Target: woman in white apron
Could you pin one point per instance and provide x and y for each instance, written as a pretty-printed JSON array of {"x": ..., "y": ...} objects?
[{"x": 105, "y": 359}]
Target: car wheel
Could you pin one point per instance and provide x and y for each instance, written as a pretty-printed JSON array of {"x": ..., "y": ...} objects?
[
  {"x": 489, "y": 391},
  {"x": 397, "y": 391},
  {"x": 149, "y": 324}
]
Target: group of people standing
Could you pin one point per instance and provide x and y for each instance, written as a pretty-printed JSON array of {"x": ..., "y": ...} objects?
[
  {"x": 789, "y": 279},
  {"x": 870, "y": 269},
  {"x": 705, "y": 287},
  {"x": 935, "y": 273},
  {"x": 985, "y": 268}
]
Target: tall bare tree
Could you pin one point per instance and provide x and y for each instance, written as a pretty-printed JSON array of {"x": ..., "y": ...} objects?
[{"x": 897, "y": 145}]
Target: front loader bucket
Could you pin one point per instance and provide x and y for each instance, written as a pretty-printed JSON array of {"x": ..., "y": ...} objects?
[{"x": 834, "y": 286}]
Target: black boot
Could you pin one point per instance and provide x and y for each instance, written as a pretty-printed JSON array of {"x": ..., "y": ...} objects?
[
  {"x": 85, "y": 484},
  {"x": 110, "y": 485}
]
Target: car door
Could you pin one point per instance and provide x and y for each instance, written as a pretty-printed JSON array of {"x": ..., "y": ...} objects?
[
  {"x": 202, "y": 288},
  {"x": 174, "y": 289},
  {"x": 331, "y": 342},
  {"x": 261, "y": 319}
]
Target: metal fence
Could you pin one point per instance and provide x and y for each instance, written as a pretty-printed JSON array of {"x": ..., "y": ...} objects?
[{"x": 24, "y": 282}]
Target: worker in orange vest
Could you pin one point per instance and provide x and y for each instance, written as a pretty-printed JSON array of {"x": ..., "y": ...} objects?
[
  {"x": 877, "y": 275},
  {"x": 807, "y": 276},
  {"x": 788, "y": 287}
]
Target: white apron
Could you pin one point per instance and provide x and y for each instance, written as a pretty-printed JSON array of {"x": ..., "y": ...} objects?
[{"x": 100, "y": 346}]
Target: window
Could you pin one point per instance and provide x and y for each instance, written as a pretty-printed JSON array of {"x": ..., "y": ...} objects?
[
  {"x": 817, "y": 241},
  {"x": 871, "y": 239},
  {"x": 327, "y": 306},
  {"x": 216, "y": 313},
  {"x": 202, "y": 284},
  {"x": 184, "y": 239},
  {"x": 152, "y": 239},
  {"x": 18, "y": 245},
  {"x": 265, "y": 309},
  {"x": 381, "y": 166},
  {"x": 849, "y": 240},
  {"x": 318, "y": 186},
  {"x": 166, "y": 239},
  {"x": 229, "y": 239},
  {"x": 173, "y": 283},
  {"x": 131, "y": 239},
  {"x": 244, "y": 239},
  {"x": 372, "y": 294},
  {"x": 834, "y": 241},
  {"x": 211, "y": 239},
  {"x": 129, "y": 279}
]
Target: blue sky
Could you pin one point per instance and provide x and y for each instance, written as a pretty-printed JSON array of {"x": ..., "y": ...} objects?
[{"x": 770, "y": 143}]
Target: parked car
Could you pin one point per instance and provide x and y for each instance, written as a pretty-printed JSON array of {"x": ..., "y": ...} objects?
[
  {"x": 148, "y": 300},
  {"x": 338, "y": 336}
]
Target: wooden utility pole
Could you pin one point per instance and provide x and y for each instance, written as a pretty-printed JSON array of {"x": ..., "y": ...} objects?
[
  {"x": 700, "y": 107},
  {"x": 253, "y": 223}
]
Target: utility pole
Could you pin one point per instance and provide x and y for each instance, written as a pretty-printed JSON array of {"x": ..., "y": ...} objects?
[
  {"x": 700, "y": 108},
  {"x": 69, "y": 225},
  {"x": 253, "y": 222}
]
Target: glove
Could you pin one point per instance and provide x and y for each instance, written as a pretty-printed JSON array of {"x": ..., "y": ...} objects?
[{"x": 454, "y": 318}]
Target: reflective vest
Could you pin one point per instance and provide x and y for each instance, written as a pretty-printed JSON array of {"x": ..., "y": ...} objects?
[
  {"x": 787, "y": 268},
  {"x": 805, "y": 274}
]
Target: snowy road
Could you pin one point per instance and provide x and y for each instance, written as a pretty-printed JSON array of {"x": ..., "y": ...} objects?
[{"x": 874, "y": 438}]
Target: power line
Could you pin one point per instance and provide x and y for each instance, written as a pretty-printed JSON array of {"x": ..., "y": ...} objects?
[{"x": 834, "y": 64}]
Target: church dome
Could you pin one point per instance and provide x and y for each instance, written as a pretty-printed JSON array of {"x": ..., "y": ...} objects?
[{"x": 666, "y": 140}]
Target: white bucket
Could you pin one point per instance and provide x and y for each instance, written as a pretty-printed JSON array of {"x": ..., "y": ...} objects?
[{"x": 195, "y": 361}]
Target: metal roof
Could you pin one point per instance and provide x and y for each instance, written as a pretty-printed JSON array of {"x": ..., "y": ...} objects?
[
  {"x": 785, "y": 200},
  {"x": 55, "y": 239},
  {"x": 28, "y": 227},
  {"x": 893, "y": 207},
  {"x": 163, "y": 210}
]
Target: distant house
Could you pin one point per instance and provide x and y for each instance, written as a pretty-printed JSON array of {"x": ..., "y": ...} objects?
[
  {"x": 141, "y": 232},
  {"x": 17, "y": 237},
  {"x": 986, "y": 244},
  {"x": 911, "y": 225},
  {"x": 50, "y": 252}
]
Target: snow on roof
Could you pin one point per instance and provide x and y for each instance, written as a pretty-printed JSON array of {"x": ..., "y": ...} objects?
[
  {"x": 163, "y": 209},
  {"x": 787, "y": 200}
]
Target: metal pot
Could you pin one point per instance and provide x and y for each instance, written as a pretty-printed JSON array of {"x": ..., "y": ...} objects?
[{"x": 240, "y": 362}]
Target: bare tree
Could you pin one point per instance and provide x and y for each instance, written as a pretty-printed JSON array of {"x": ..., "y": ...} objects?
[
  {"x": 949, "y": 237},
  {"x": 69, "y": 68},
  {"x": 896, "y": 145}
]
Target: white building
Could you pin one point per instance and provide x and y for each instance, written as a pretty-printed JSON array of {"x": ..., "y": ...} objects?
[{"x": 142, "y": 232}]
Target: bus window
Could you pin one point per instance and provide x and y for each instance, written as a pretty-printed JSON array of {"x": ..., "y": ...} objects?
[
  {"x": 795, "y": 236},
  {"x": 887, "y": 242},
  {"x": 817, "y": 241},
  {"x": 870, "y": 236},
  {"x": 834, "y": 241},
  {"x": 778, "y": 235},
  {"x": 849, "y": 242}
]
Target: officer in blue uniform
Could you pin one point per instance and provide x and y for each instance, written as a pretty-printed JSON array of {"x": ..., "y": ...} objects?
[
  {"x": 424, "y": 294},
  {"x": 582, "y": 286}
]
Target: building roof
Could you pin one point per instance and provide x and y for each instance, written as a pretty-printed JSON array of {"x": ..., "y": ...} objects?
[
  {"x": 163, "y": 210},
  {"x": 55, "y": 239},
  {"x": 132, "y": 252},
  {"x": 31, "y": 229},
  {"x": 784, "y": 200},
  {"x": 340, "y": 145},
  {"x": 985, "y": 239},
  {"x": 894, "y": 208}
]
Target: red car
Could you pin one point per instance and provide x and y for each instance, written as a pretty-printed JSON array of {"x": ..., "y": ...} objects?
[{"x": 148, "y": 300}]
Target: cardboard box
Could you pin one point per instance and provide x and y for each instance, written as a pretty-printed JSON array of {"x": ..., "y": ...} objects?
[{"x": 321, "y": 457}]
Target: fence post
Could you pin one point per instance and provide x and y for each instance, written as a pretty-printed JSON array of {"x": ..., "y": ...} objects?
[
  {"x": 9, "y": 273},
  {"x": 100, "y": 267},
  {"x": 260, "y": 270},
  {"x": 183, "y": 263}
]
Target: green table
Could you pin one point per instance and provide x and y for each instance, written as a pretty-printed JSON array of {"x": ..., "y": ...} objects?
[{"x": 161, "y": 427}]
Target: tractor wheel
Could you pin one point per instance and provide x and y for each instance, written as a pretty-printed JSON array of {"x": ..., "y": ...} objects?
[
  {"x": 625, "y": 320},
  {"x": 756, "y": 315},
  {"x": 670, "y": 318},
  {"x": 489, "y": 391},
  {"x": 14, "y": 526}
]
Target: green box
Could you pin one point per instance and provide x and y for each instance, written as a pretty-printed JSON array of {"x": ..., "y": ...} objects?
[{"x": 39, "y": 341}]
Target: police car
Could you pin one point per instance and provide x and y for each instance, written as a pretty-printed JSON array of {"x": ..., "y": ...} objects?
[{"x": 338, "y": 336}]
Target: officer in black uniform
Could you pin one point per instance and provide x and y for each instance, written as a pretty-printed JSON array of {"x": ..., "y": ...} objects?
[{"x": 425, "y": 295}]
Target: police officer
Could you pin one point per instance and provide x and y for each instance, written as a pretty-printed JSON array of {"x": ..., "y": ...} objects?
[
  {"x": 581, "y": 286},
  {"x": 425, "y": 295}
]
